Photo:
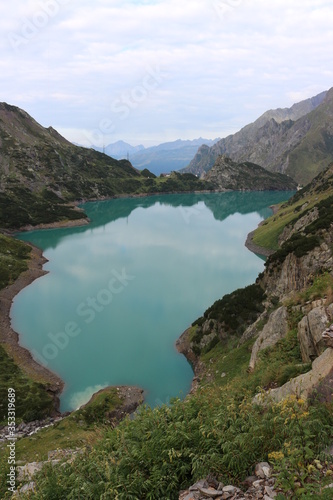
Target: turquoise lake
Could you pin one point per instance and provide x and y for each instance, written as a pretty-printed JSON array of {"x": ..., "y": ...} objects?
[{"x": 121, "y": 290}]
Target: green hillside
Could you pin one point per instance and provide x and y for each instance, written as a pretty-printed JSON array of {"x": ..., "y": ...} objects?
[{"x": 42, "y": 174}]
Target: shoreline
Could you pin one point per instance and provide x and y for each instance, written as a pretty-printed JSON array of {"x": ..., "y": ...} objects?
[
  {"x": 10, "y": 339},
  {"x": 264, "y": 252},
  {"x": 55, "y": 225},
  {"x": 183, "y": 343},
  {"x": 258, "y": 250},
  {"x": 145, "y": 195}
]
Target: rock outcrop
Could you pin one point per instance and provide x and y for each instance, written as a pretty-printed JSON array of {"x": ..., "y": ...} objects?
[
  {"x": 260, "y": 485},
  {"x": 303, "y": 385},
  {"x": 274, "y": 330},
  {"x": 310, "y": 332},
  {"x": 297, "y": 273},
  {"x": 328, "y": 337},
  {"x": 304, "y": 221},
  {"x": 229, "y": 175}
]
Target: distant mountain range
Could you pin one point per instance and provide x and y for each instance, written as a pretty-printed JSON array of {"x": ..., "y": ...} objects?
[
  {"x": 164, "y": 158},
  {"x": 297, "y": 141},
  {"x": 119, "y": 150}
]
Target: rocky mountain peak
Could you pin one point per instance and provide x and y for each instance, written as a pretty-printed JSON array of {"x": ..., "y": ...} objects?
[{"x": 297, "y": 141}]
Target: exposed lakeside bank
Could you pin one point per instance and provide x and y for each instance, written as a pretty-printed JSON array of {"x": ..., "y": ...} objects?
[
  {"x": 10, "y": 339},
  {"x": 250, "y": 245},
  {"x": 256, "y": 248}
]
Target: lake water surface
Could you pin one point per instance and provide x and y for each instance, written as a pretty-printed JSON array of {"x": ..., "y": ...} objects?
[{"x": 121, "y": 291}]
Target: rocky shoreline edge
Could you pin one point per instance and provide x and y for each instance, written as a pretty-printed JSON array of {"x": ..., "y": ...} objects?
[
  {"x": 250, "y": 245},
  {"x": 264, "y": 252}
]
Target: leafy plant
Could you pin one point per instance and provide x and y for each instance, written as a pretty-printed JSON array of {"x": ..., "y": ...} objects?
[{"x": 299, "y": 470}]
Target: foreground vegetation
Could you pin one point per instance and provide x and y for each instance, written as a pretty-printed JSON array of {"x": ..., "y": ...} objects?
[
  {"x": 165, "y": 449},
  {"x": 217, "y": 431}
]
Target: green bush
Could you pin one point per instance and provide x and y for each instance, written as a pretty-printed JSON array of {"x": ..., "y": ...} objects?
[
  {"x": 32, "y": 400},
  {"x": 298, "y": 244},
  {"x": 164, "y": 450},
  {"x": 13, "y": 259}
]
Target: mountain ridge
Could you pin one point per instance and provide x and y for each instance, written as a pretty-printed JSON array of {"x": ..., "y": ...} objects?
[
  {"x": 119, "y": 149},
  {"x": 280, "y": 140},
  {"x": 162, "y": 158}
]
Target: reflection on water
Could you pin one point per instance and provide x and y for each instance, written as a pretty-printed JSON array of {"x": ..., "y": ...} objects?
[
  {"x": 121, "y": 290},
  {"x": 222, "y": 205}
]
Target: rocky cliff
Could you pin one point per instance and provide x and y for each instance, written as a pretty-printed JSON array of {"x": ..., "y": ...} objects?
[
  {"x": 229, "y": 175},
  {"x": 296, "y": 141}
]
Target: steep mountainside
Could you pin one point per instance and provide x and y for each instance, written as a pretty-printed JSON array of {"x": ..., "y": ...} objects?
[
  {"x": 246, "y": 176},
  {"x": 298, "y": 141},
  {"x": 41, "y": 172}
]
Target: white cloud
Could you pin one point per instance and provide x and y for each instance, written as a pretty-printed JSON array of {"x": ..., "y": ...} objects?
[{"x": 222, "y": 66}]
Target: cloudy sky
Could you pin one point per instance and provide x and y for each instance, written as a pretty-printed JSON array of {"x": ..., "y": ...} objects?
[{"x": 151, "y": 71}]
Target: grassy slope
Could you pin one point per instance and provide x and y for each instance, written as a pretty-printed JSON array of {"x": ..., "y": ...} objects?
[
  {"x": 13, "y": 259},
  {"x": 268, "y": 233},
  {"x": 32, "y": 400}
]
